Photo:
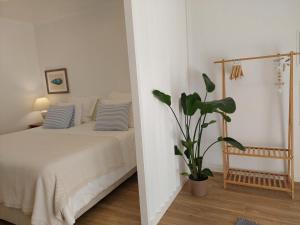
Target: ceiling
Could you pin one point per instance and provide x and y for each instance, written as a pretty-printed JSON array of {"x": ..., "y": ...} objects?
[{"x": 42, "y": 11}]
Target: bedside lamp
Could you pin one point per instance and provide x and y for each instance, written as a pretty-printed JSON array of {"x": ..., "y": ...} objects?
[{"x": 41, "y": 104}]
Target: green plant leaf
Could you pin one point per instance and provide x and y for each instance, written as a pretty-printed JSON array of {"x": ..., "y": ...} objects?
[
  {"x": 207, "y": 124},
  {"x": 185, "y": 174},
  {"x": 226, "y": 105},
  {"x": 164, "y": 98},
  {"x": 210, "y": 86},
  {"x": 205, "y": 107},
  {"x": 184, "y": 143},
  {"x": 232, "y": 142},
  {"x": 177, "y": 151},
  {"x": 188, "y": 144},
  {"x": 225, "y": 117},
  {"x": 207, "y": 172},
  {"x": 187, "y": 154},
  {"x": 183, "y": 103},
  {"x": 189, "y": 103}
]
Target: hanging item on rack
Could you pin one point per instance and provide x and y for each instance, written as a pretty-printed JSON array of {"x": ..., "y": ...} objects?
[
  {"x": 237, "y": 71},
  {"x": 282, "y": 64}
]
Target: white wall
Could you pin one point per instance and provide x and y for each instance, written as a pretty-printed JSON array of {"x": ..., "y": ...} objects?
[
  {"x": 88, "y": 38},
  {"x": 20, "y": 81},
  {"x": 91, "y": 44},
  {"x": 229, "y": 29},
  {"x": 158, "y": 62}
]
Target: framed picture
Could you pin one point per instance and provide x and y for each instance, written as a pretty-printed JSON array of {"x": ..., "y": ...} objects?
[
  {"x": 57, "y": 81},
  {"x": 298, "y": 43}
]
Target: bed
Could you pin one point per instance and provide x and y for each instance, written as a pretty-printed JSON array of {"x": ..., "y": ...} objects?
[{"x": 52, "y": 177}]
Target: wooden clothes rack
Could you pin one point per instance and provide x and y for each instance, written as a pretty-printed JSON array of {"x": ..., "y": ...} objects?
[{"x": 252, "y": 178}]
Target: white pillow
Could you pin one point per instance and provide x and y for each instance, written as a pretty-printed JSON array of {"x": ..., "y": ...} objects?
[
  {"x": 114, "y": 102},
  {"x": 122, "y": 97},
  {"x": 88, "y": 106},
  {"x": 78, "y": 111}
]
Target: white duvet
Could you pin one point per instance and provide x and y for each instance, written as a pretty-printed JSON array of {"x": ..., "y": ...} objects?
[{"x": 42, "y": 170}]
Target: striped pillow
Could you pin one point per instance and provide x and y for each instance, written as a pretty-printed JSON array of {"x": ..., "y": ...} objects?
[
  {"x": 112, "y": 117},
  {"x": 59, "y": 117}
]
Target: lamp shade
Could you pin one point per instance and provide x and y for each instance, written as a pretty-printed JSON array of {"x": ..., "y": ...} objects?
[{"x": 41, "y": 104}]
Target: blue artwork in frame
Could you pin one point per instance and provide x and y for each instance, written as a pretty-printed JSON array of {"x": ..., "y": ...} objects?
[
  {"x": 57, "y": 81},
  {"x": 298, "y": 46}
]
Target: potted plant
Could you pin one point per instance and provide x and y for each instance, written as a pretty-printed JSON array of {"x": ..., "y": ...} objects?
[{"x": 191, "y": 148}]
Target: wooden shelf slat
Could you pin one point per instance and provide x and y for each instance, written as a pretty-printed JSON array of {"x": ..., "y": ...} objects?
[
  {"x": 262, "y": 152},
  {"x": 273, "y": 181}
]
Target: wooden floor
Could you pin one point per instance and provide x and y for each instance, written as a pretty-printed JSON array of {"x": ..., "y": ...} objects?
[
  {"x": 223, "y": 207},
  {"x": 220, "y": 207},
  {"x": 121, "y": 207}
]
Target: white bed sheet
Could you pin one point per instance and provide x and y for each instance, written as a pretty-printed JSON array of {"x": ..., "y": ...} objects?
[
  {"x": 126, "y": 138},
  {"x": 86, "y": 194},
  {"x": 80, "y": 199}
]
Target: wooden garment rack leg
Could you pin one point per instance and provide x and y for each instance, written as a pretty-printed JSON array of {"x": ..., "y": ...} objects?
[
  {"x": 291, "y": 126},
  {"x": 260, "y": 179},
  {"x": 224, "y": 130}
]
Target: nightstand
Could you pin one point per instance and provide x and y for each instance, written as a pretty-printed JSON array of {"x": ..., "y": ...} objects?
[{"x": 35, "y": 125}]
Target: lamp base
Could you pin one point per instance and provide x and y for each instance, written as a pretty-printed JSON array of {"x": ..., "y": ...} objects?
[{"x": 44, "y": 113}]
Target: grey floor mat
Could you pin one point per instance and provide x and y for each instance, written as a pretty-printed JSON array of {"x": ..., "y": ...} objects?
[{"x": 241, "y": 221}]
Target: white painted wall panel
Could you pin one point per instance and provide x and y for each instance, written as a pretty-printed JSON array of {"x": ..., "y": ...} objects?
[
  {"x": 229, "y": 29},
  {"x": 159, "y": 34},
  {"x": 20, "y": 80},
  {"x": 92, "y": 45}
]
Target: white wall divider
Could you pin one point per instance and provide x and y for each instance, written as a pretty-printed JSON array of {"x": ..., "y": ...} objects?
[
  {"x": 136, "y": 110},
  {"x": 157, "y": 42}
]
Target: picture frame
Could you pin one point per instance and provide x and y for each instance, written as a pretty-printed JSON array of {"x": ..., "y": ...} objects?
[
  {"x": 57, "y": 81},
  {"x": 298, "y": 45}
]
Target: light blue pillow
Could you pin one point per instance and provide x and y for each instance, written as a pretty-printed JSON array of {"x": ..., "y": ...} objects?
[{"x": 59, "y": 117}]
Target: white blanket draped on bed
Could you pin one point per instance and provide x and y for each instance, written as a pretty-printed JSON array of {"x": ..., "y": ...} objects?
[{"x": 39, "y": 171}]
